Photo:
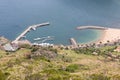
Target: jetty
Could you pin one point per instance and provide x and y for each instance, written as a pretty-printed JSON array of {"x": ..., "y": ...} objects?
[
  {"x": 73, "y": 43},
  {"x": 33, "y": 27},
  {"x": 91, "y": 27}
]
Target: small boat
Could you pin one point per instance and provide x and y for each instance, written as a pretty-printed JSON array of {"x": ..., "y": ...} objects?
[
  {"x": 37, "y": 39},
  {"x": 44, "y": 38}
]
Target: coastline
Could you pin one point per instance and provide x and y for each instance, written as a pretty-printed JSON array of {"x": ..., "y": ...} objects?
[
  {"x": 110, "y": 35},
  {"x": 101, "y": 36},
  {"x": 107, "y": 35}
]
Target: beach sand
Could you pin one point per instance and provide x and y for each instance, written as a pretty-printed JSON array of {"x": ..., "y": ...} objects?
[{"x": 109, "y": 35}]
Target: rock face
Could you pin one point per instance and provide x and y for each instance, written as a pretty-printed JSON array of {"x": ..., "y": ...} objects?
[
  {"x": 10, "y": 47},
  {"x": 22, "y": 42},
  {"x": 3, "y": 40}
]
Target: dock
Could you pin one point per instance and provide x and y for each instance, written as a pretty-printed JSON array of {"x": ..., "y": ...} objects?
[
  {"x": 33, "y": 27},
  {"x": 73, "y": 43},
  {"x": 91, "y": 27}
]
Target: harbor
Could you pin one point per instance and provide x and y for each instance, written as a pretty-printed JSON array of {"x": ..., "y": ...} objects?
[
  {"x": 42, "y": 41},
  {"x": 33, "y": 27}
]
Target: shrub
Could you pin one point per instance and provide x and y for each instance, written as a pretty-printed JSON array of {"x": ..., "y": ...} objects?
[
  {"x": 34, "y": 48},
  {"x": 7, "y": 53},
  {"x": 86, "y": 50},
  {"x": 116, "y": 77},
  {"x": 36, "y": 76},
  {"x": 99, "y": 77},
  {"x": 83, "y": 67},
  {"x": 43, "y": 58},
  {"x": 56, "y": 74},
  {"x": 72, "y": 68},
  {"x": 27, "y": 55},
  {"x": 27, "y": 46},
  {"x": 54, "y": 50},
  {"x": 3, "y": 76},
  {"x": 76, "y": 77},
  {"x": 66, "y": 59},
  {"x": 55, "y": 77}
]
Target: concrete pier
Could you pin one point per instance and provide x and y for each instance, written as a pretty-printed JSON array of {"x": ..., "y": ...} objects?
[
  {"x": 91, "y": 27},
  {"x": 33, "y": 27},
  {"x": 73, "y": 43}
]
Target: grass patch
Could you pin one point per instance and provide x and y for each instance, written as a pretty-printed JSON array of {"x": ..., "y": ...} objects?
[
  {"x": 3, "y": 76},
  {"x": 99, "y": 77},
  {"x": 2, "y": 53},
  {"x": 72, "y": 68},
  {"x": 56, "y": 74}
]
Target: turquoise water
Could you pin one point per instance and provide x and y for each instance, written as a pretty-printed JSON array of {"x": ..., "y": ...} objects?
[{"x": 64, "y": 16}]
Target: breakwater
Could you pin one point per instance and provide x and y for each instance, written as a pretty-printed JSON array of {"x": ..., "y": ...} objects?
[
  {"x": 33, "y": 27},
  {"x": 91, "y": 27}
]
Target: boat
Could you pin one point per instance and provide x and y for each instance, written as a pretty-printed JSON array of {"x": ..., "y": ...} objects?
[
  {"x": 37, "y": 39},
  {"x": 44, "y": 38}
]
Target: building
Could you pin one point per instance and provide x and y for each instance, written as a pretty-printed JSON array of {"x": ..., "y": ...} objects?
[{"x": 43, "y": 44}]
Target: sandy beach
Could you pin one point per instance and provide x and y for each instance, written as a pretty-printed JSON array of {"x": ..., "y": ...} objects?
[{"x": 109, "y": 35}]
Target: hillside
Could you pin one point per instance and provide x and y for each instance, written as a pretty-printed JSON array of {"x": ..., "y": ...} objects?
[{"x": 38, "y": 63}]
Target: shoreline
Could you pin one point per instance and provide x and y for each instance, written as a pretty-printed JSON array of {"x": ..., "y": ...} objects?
[
  {"x": 104, "y": 35},
  {"x": 97, "y": 39},
  {"x": 108, "y": 35},
  {"x": 101, "y": 36}
]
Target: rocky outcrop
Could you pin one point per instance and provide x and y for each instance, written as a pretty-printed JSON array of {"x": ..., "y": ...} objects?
[{"x": 3, "y": 40}]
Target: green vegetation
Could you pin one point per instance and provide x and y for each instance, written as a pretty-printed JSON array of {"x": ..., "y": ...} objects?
[
  {"x": 54, "y": 74},
  {"x": 27, "y": 46},
  {"x": 72, "y": 68},
  {"x": 2, "y": 53},
  {"x": 100, "y": 51},
  {"x": 3, "y": 76},
  {"x": 99, "y": 77},
  {"x": 38, "y": 63}
]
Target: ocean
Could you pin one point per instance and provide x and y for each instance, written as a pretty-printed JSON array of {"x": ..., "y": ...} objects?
[{"x": 64, "y": 16}]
